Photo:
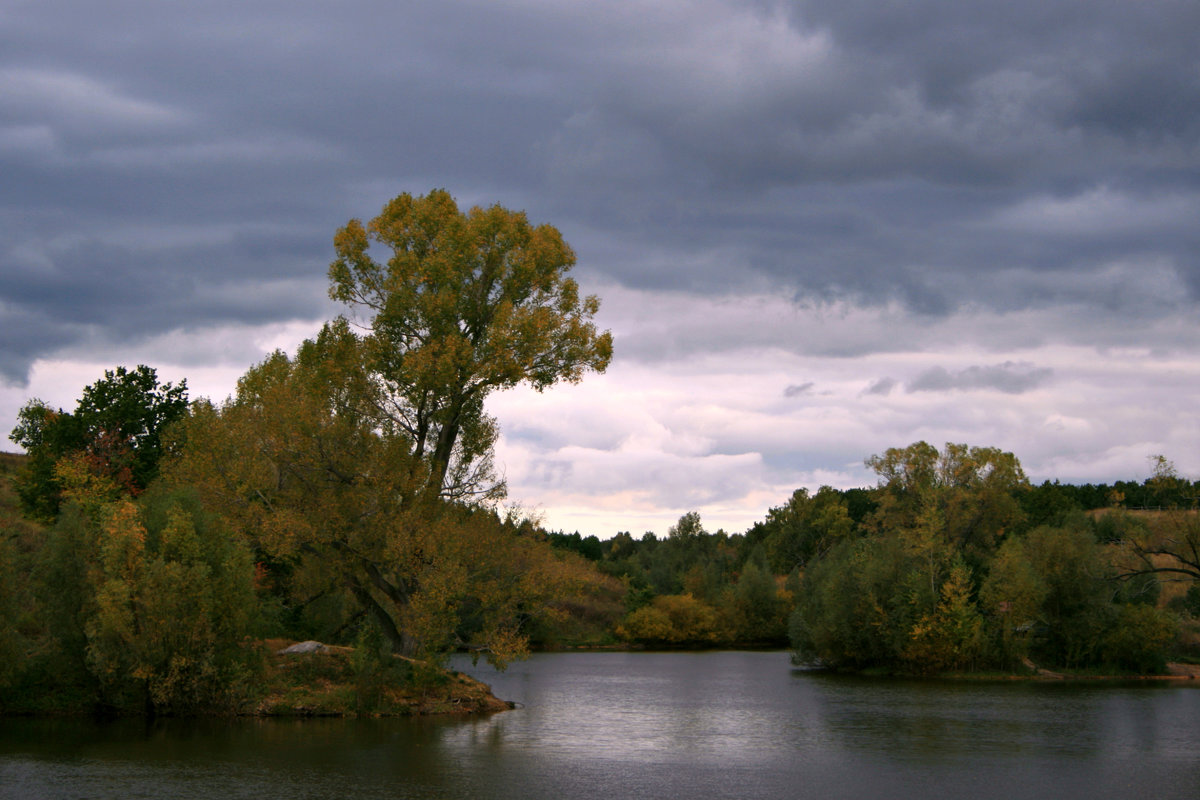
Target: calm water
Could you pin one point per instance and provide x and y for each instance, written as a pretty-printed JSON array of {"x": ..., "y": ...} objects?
[{"x": 661, "y": 725}]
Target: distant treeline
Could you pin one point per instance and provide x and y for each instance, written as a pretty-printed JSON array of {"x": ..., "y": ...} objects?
[
  {"x": 1047, "y": 503},
  {"x": 953, "y": 562}
]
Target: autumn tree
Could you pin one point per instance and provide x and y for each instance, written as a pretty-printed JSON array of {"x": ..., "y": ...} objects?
[
  {"x": 951, "y": 636},
  {"x": 467, "y": 303},
  {"x": 973, "y": 491},
  {"x": 672, "y": 619},
  {"x": 365, "y": 461},
  {"x": 143, "y": 605}
]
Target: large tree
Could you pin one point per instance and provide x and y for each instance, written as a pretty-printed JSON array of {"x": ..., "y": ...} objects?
[
  {"x": 365, "y": 461},
  {"x": 967, "y": 497},
  {"x": 466, "y": 303}
]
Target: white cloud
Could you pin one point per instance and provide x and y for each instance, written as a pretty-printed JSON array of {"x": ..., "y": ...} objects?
[{"x": 714, "y": 431}]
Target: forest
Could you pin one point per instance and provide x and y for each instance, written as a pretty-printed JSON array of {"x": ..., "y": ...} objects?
[
  {"x": 153, "y": 545},
  {"x": 953, "y": 562}
]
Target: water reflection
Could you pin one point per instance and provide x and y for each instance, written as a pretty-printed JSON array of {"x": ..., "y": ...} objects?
[{"x": 712, "y": 725}]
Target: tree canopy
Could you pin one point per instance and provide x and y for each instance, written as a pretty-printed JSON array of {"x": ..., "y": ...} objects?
[
  {"x": 114, "y": 432},
  {"x": 363, "y": 464},
  {"x": 466, "y": 303}
]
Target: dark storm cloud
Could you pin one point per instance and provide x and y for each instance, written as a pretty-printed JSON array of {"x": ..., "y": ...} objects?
[
  {"x": 1009, "y": 377},
  {"x": 162, "y": 160}
]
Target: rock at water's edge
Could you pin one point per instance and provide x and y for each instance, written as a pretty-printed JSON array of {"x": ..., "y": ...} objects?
[{"x": 303, "y": 647}]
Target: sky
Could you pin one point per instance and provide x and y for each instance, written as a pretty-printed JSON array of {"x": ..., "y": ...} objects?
[{"x": 818, "y": 229}]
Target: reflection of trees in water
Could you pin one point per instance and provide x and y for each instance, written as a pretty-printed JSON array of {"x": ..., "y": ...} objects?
[
  {"x": 947, "y": 720},
  {"x": 696, "y": 725}
]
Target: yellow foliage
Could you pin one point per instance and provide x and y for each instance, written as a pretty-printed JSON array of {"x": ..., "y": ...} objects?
[
  {"x": 950, "y": 637},
  {"x": 83, "y": 484},
  {"x": 672, "y": 619}
]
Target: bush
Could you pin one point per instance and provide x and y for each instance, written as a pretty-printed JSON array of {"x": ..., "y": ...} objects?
[
  {"x": 1141, "y": 639},
  {"x": 672, "y": 619}
]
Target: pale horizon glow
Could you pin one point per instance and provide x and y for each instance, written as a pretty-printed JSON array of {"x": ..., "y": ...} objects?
[{"x": 731, "y": 433}]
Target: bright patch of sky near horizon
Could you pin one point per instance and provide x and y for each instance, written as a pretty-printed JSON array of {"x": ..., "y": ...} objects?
[{"x": 819, "y": 229}]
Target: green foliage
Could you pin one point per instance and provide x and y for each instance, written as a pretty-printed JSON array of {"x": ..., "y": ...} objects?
[
  {"x": 133, "y": 607},
  {"x": 12, "y": 642},
  {"x": 857, "y": 605},
  {"x": 950, "y": 579},
  {"x": 1049, "y": 504},
  {"x": 1013, "y": 594},
  {"x": 172, "y": 606},
  {"x": 589, "y": 547},
  {"x": 804, "y": 528},
  {"x": 1140, "y": 639},
  {"x": 46, "y": 435},
  {"x": 115, "y": 434},
  {"x": 1077, "y": 608},
  {"x": 974, "y": 491},
  {"x": 759, "y": 614},
  {"x": 374, "y": 667}
]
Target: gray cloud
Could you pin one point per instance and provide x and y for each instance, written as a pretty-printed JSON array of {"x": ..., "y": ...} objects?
[
  {"x": 1009, "y": 377},
  {"x": 934, "y": 155},
  {"x": 798, "y": 389},
  {"x": 883, "y": 386}
]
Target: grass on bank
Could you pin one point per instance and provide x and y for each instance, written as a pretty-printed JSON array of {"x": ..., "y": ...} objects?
[{"x": 342, "y": 681}]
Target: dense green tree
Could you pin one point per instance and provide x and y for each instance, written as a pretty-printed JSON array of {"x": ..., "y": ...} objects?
[
  {"x": 1012, "y": 595},
  {"x": 975, "y": 490},
  {"x": 172, "y": 606},
  {"x": 115, "y": 431},
  {"x": 1077, "y": 579},
  {"x": 947, "y": 577},
  {"x": 590, "y": 547},
  {"x": 759, "y": 613},
  {"x": 1049, "y": 504},
  {"x": 1140, "y": 638},
  {"x": 803, "y": 528},
  {"x": 142, "y": 606},
  {"x": 858, "y": 604}
]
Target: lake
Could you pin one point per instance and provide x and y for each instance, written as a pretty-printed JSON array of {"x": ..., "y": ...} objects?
[{"x": 655, "y": 725}]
